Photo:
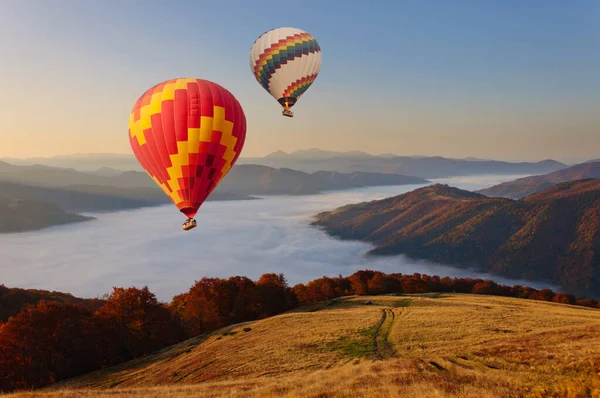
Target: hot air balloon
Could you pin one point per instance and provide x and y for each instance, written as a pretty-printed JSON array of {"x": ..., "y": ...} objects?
[
  {"x": 285, "y": 61},
  {"x": 187, "y": 134}
]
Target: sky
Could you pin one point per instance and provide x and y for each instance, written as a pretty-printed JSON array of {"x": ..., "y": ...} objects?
[{"x": 499, "y": 79}]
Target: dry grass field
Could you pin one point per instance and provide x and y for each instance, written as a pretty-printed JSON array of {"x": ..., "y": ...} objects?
[{"x": 406, "y": 346}]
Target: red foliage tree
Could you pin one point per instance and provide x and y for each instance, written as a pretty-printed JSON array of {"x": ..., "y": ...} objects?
[
  {"x": 381, "y": 283},
  {"x": 586, "y": 302},
  {"x": 563, "y": 298},
  {"x": 134, "y": 323},
  {"x": 542, "y": 295},
  {"x": 275, "y": 295},
  {"x": 485, "y": 287},
  {"x": 47, "y": 343},
  {"x": 359, "y": 282}
]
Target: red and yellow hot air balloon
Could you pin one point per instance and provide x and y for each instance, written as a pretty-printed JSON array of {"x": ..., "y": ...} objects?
[{"x": 187, "y": 134}]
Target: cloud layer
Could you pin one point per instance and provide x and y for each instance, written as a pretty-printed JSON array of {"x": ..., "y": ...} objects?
[{"x": 148, "y": 247}]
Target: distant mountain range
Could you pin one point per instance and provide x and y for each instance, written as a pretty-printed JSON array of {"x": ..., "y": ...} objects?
[
  {"x": 313, "y": 160},
  {"x": 529, "y": 185},
  {"x": 86, "y": 198},
  {"x": 109, "y": 189},
  {"x": 264, "y": 180},
  {"x": 82, "y": 161},
  {"x": 553, "y": 235},
  {"x": 19, "y": 215},
  {"x": 241, "y": 181}
]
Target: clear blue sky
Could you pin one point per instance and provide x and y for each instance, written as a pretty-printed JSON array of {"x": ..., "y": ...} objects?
[{"x": 499, "y": 79}]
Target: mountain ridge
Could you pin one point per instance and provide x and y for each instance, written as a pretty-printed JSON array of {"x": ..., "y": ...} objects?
[
  {"x": 542, "y": 237},
  {"x": 21, "y": 215},
  {"x": 312, "y": 160},
  {"x": 522, "y": 187},
  {"x": 241, "y": 182}
]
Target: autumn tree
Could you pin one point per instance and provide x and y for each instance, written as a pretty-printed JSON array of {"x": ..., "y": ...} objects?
[
  {"x": 360, "y": 282},
  {"x": 543, "y": 295},
  {"x": 381, "y": 283},
  {"x": 563, "y": 298},
  {"x": 275, "y": 295},
  {"x": 47, "y": 343},
  {"x": 586, "y": 302},
  {"x": 485, "y": 287},
  {"x": 134, "y": 323}
]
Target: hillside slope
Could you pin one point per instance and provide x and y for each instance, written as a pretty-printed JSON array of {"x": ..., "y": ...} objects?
[
  {"x": 406, "y": 346},
  {"x": 19, "y": 215},
  {"x": 552, "y": 236},
  {"x": 522, "y": 187}
]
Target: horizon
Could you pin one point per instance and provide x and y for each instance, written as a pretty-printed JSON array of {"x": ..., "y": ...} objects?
[
  {"x": 566, "y": 161},
  {"x": 497, "y": 80}
]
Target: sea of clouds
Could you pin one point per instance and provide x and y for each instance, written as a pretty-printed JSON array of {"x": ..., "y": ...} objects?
[{"x": 147, "y": 246}]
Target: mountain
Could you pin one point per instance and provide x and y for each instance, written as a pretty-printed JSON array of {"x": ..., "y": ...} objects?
[
  {"x": 41, "y": 175},
  {"x": 109, "y": 189},
  {"x": 311, "y": 161},
  {"x": 428, "y": 345},
  {"x": 87, "y": 198},
  {"x": 334, "y": 179},
  {"x": 240, "y": 182},
  {"x": 552, "y": 236},
  {"x": 277, "y": 154},
  {"x": 20, "y": 215},
  {"x": 474, "y": 159},
  {"x": 94, "y": 198},
  {"x": 264, "y": 180},
  {"x": 526, "y": 186},
  {"x": 83, "y": 161},
  {"x": 107, "y": 172},
  {"x": 315, "y": 153}
]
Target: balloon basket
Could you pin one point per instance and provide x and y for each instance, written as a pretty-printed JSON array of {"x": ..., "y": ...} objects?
[
  {"x": 189, "y": 224},
  {"x": 288, "y": 113}
]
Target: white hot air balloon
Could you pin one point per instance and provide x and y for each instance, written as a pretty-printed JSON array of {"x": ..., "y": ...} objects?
[{"x": 285, "y": 61}]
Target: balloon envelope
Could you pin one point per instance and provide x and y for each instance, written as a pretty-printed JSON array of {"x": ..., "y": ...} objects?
[
  {"x": 285, "y": 61},
  {"x": 187, "y": 134}
]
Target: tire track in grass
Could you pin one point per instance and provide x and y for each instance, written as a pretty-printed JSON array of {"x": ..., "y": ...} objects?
[{"x": 383, "y": 348}]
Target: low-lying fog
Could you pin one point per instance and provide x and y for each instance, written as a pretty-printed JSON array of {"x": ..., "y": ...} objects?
[{"x": 148, "y": 247}]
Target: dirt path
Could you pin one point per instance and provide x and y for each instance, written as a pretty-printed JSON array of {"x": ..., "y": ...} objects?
[{"x": 383, "y": 348}]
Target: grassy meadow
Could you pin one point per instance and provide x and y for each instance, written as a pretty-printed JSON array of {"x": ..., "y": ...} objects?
[{"x": 431, "y": 345}]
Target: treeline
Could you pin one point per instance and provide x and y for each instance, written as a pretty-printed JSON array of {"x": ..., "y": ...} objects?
[
  {"x": 51, "y": 341},
  {"x": 375, "y": 282},
  {"x": 13, "y": 300}
]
